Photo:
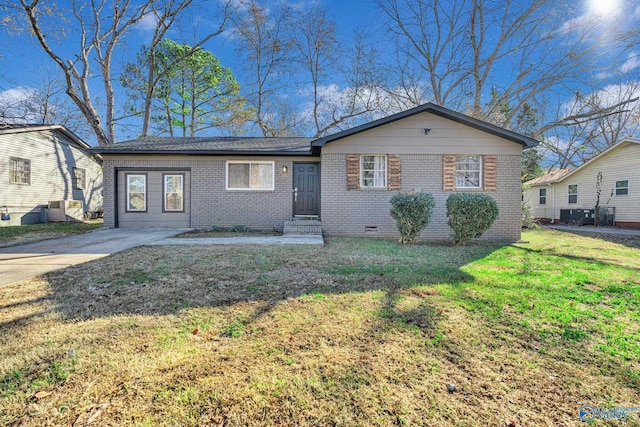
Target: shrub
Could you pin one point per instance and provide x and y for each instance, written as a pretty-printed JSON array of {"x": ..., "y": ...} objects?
[
  {"x": 412, "y": 212},
  {"x": 470, "y": 215},
  {"x": 528, "y": 219}
]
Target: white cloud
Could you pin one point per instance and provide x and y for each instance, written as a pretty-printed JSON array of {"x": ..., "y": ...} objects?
[
  {"x": 148, "y": 22},
  {"x": 631, "y": 63}
]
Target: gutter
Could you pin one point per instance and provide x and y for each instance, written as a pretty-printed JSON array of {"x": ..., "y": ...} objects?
[{"x": 553, "y": 202}]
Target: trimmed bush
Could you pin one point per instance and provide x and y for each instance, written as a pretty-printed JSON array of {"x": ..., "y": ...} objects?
[
  {"x": 470, "y": 215},
  {"x": 412, "y": 212}
]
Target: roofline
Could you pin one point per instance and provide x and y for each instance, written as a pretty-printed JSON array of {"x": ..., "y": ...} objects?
[
  {"x": 625, "y": 141},
  {"x": 36, "y": 128},
  {"x": 525, "y": 141},
  {"x": 200, "y": 152}
]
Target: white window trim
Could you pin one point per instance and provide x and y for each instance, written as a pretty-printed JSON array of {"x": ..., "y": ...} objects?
[
  {"x": 13, "y": 173},
  {"x": 615, "y": 187},
  {"x": 480, "y": 174},
  {"x": 569, "y": 194},
  {"x": 82, "y": 185},
  {"x": 540, "y": 196},
  {"x": 164, "y": 191},
  {"x": 250, "y": 162},
  {"x": 386, "y": 172},
  {"x": 128, "y": 206}
]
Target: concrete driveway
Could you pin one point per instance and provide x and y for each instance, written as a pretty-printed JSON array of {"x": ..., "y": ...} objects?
[{"x": 33, "y": 259}]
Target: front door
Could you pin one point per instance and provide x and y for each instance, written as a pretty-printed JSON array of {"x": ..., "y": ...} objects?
[{"x": 306, "y": 188}]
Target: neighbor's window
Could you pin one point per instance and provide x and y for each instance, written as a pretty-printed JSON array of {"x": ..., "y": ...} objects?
[
  {"x": 250, "y": 175},
  {"x": 469, "y": 172},
  {"x": 573, "y": 193},
  {"x": 173, "y": 193},
  {"x": 79, "y": 178},
  {"x": 373, "y": 171},
  {"x": 622, "y": 187},
  {"x": 19, "y": 171},
  {"x": 543, "y": 196},
  {"x": 136, "y": 192}
]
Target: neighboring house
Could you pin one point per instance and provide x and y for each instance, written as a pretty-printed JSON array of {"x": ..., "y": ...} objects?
[
  {"x": 565, "y": 195},
  {"x": 46, "y": 163},
  {"x": 346, "y": 180}
]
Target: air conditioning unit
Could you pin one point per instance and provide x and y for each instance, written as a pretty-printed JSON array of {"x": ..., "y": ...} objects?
[{"x": 65, "y": 210}]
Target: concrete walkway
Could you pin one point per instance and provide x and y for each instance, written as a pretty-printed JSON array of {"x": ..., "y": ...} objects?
[
  {"x": 33, "y": 259},
  {"x": 290, "y": 239},
  {"x": 630, "y": 232}
]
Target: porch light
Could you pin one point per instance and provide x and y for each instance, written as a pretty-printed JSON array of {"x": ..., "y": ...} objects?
[
  {"x": 285, "y": 169},
  {"x": 426, "y": 131}
]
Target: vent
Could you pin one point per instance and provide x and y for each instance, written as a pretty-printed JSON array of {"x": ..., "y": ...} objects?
[
  {"x": 54, "y": 205},
  {"x": 75, "y": 204},
  {"x": 370, "y": 228}
]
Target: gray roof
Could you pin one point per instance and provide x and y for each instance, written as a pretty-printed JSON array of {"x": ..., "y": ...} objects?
[
  {"x": 290, "y": 146},
  {"x": 429, "y": 107},
  {"x": 211, "y": 145},
  {"x": 20, "y": 128}
]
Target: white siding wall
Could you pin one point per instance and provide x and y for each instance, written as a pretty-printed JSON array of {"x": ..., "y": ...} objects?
[
  {"x": 52, "y": 159},
  {"x": 619, "y": 164}
]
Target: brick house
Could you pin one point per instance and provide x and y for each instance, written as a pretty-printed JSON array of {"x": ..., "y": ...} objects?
[{"x": 344, "y": 180}]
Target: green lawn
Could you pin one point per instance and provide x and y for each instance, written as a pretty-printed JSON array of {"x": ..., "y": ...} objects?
[
  {"x": 19, "y": 235},
  {"x": 358, "y": 332}
]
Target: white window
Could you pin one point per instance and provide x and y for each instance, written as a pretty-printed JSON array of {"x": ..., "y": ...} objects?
[
  {"x": 250, "y": 175},
  {"x": 136, "y": 192},
  {"x": 622, "y": 187},
  {"x": 373, "y": 171},
  {"x": 174, "y": 193},
  {"x": 573, "y": 193},
  {"x": 19, "y": 171},
  {"x": 79, "y": 178},
  {"x": 543, "y": 196},
  {"x": 469, "y": 172}
]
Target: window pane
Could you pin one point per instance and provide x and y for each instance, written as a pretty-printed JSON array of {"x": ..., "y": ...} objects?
[
  {"x": 373, "y": 171},
  {"x": 239, "y": 175},
  {"x": 468, "y": 172},
  {"x": 261, "y": 176},
  {"x": 173, "y": 192},
  {"x": 19, "y": 171},
  {"x": 136, "y": 192},
  {"x": 573, "y": 189}
]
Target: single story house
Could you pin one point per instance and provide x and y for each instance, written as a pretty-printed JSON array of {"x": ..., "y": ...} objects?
[
  {"x": 570, "y": 196},
  {"x": 47, "y": 166},
  {"x": 344, "y": 180}
]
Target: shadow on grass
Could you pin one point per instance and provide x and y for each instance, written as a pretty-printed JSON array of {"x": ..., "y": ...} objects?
[
  {"x": 164, "y": 280},
  {"x": 631, "y": 241}
]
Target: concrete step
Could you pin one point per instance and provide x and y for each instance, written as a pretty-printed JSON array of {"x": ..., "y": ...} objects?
[{"x": 303, "y": 227}]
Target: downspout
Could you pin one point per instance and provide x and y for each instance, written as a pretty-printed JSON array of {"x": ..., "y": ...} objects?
[{"x": 553, "y": 203}]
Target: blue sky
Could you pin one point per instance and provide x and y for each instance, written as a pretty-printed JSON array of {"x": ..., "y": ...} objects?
[{"x": 24, "y": 62}]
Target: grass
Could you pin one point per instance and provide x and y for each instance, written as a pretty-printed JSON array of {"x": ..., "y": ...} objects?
[
  {"x": 359, "y": 332},
  {"x": 19, "y": 235}
]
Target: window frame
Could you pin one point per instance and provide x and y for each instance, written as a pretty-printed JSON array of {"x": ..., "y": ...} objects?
[
  {"x": 83, "y": 185},
  {"x": 14, "y": 172},
  {"x": 385, "y": 179},
  {"x": 479, "y": 171},
  {"x": 250, "y": 163},
  {"x": 570, "y": 194},
  {"x": 164, "y": 192},
  {"x": 626, "y": 188},
  {"x": 128, "y": 176},
  {"x": 542, "y": 199}
]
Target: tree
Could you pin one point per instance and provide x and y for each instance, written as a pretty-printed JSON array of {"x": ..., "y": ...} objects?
[
  {"x": 198, "y": 93},
  {"x": 263, "y": 46},
  {"x": 458, "y": 52},
  {"x": 100, "y": 27}
]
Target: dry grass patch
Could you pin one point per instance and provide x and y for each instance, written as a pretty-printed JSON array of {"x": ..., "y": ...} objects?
[
  {"x": 359, "y": 332},
  {"x": 23, "y": 234}
]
